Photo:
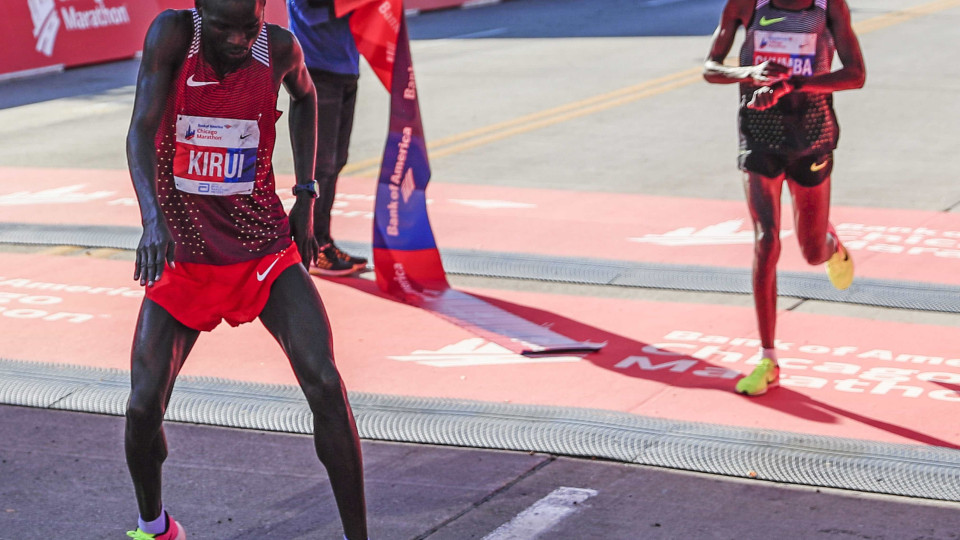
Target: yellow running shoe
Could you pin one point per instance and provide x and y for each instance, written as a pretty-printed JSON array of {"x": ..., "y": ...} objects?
[
  {"x": 840, "y": 267},
  {"x": 766, "y": 375}
]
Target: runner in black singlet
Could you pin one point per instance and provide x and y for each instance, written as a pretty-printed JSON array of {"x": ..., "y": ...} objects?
[{"x": 788, "y": 131}]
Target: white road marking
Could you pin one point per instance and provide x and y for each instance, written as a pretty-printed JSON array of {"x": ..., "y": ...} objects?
[
  {"x": 653, "y": 3},
  {"x": 489, "y": 204},
  {"x": 542, "y": 515},
  {"x": 482, "y": 33},
  {"x": 478, "y": 3},
  {"x": 61, "y": 195},
  {"x": 477, "y": 352}
]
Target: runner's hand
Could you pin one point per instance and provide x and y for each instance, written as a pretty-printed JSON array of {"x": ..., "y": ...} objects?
[
  {"x": 769, "y": 73},
  {"x": 301, "y": 225},
  {"x": 768, "y": 96},
  {"x": 156, "y": 247}
]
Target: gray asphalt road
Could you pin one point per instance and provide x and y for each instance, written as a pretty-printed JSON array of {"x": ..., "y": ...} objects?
[{"x": 62, "y": 475}]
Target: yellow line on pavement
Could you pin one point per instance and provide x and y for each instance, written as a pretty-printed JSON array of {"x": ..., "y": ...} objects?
[
  {"x": 523, "y": 124},
  {"x": 103, "y": 253},
  {"x": 59, "y": 250},
  {"x": 564, "y": 108},
  {"x": 689, "y": 79},
  {"x": 903, "y": 15},
  {"x": 361, "y": 166}
]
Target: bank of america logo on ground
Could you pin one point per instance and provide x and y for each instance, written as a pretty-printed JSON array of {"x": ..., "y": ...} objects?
[
  {"x": 46, "y": 23},
  {"x": 722, "y": 234}
]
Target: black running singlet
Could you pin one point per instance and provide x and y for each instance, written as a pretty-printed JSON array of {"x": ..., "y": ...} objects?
[{"x": 800, "y": 123}]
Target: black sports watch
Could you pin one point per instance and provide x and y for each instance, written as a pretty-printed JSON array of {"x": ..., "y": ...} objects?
[{"x": 310, "y": 188}]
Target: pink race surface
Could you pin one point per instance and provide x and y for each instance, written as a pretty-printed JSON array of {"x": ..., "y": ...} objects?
[
  {"x": 844, "y": 377},
  {"x": 886, "y": 243}
]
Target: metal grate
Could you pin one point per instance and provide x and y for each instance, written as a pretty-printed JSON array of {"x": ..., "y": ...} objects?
[{"x": 865, "y": 291}]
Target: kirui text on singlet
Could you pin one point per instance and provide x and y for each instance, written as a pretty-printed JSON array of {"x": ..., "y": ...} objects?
[{"x": 215, "y": 156}]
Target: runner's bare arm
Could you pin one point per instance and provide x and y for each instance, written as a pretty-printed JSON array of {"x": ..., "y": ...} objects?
[
  {"x": 737, "y": 13},
  {"x": 292, "y": 72},
  {"x": 853, "y": 73},
  {"x": 164, "y": 48}
]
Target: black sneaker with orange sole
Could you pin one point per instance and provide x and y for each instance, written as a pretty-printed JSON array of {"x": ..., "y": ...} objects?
[
  {"x": 358, "y": 262},
  {"x": 328, "y": 263}
]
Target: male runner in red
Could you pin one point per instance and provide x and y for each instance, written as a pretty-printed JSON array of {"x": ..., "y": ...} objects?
[
  {"x": 216, "y": 241},
  {"x": 788, "y": 131}
]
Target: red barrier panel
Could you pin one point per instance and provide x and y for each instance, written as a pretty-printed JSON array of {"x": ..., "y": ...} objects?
[
  {"x": 276, "y": 10},
  {"x": 40, "y": 34},
  {"x": 426, "y": 5},
  {"x": 43, "y": 33}
]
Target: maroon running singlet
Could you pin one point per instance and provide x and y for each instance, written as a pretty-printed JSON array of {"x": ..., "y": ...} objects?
[
  {"x": 215, "y": 147},
  {"x": 216, "y": 188}
]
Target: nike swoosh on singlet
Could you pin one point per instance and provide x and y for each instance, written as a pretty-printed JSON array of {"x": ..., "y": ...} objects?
[
  {"x": 263, "y": 276},
  {"x": 818, "y": 166},
  {"x": 191, "y": 82},
  {"x": 767, "y": 22}
]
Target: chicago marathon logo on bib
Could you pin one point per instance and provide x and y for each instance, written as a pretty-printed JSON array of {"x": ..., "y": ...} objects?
[
  {"x": 795, "y": 50},
  {"x": 215, "y": 156}
]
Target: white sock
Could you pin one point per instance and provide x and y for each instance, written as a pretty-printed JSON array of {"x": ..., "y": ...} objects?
[
  {"x": 769, "y": 353},
  {"x": 837, "y": 245},
  {"x": 157, "y": 526}
]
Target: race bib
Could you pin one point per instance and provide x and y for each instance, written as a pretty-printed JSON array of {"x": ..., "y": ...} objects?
[
  {"x": 215, "y": 156},
  {"x": 794, "y": 50}
]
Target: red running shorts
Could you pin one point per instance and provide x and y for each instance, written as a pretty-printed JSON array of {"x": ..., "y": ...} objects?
[{"x": 201, "y": 295}]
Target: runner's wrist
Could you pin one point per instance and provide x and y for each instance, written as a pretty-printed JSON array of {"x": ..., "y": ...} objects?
[
  {"x": 786, "y": 86},
  {"x": 151, "y": 216},
  {"x": 308, "y": 189}
]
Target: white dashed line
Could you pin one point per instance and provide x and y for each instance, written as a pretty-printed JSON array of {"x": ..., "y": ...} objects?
[{"x": 542, "y": 515}]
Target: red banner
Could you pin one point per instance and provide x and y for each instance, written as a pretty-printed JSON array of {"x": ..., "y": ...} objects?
[
  {"x": 38, "y": 34},
  {"x": 42, "y": 33},
  {"x": 376, "y": 27},
  {"x": 275, "y": 11}
]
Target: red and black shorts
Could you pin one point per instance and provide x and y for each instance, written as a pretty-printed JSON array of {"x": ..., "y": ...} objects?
[
  {"x": 807, "y": 170},
  {"x": 201, "y": 295}
]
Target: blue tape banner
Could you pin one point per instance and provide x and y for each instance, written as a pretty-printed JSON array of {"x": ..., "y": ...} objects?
[{"x": 405, "y": 255}]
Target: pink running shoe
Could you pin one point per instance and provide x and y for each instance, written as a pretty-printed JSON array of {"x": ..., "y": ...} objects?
[{"x": 174, "y": 532}]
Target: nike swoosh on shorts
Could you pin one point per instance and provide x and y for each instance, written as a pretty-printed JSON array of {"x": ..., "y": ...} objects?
[
  {"x": 818, "y": 166},
  {"x": 263, "y": 276}
]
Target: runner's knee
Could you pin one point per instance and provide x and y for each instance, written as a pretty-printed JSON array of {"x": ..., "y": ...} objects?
[
  {"x": 321, "y": 382},
  {"x": 815, "y": 254},
  {"x": 767, "y": 243},
  {"x": 144, "y": 409}
]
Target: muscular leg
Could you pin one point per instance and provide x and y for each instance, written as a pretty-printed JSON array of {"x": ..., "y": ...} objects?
[
  {"x": 160, "y": 346},
  {"x": 811, "y": 216},
  {"x": 763, "y": 199},
  {"x": 295, "y": 316}
]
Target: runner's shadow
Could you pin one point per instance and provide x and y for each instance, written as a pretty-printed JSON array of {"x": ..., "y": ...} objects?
[
  {"x": 620, "y": 348},
  {"x": 641, "y": 360}
]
